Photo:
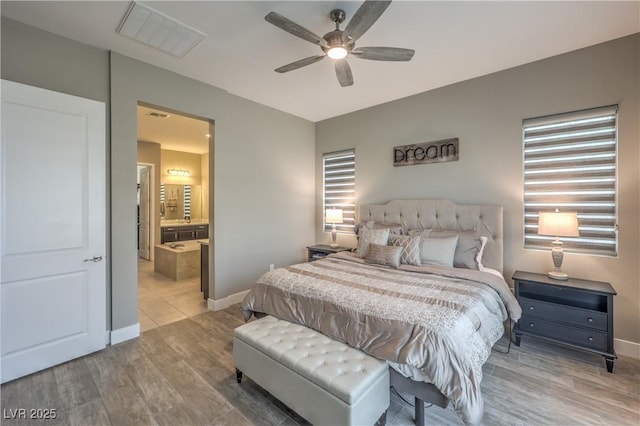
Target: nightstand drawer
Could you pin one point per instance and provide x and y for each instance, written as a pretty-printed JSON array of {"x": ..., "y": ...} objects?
[
  {"x": 543, "y": 328},
  {"x": 561, "y": 332},
  {"x": 589, "y": 339},
  {"x": 565, "y": 314}
]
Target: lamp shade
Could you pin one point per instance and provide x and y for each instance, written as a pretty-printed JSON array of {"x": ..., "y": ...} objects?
[
  {"x": 558, "y": 224},
  {"x": 334, "y": 216}
]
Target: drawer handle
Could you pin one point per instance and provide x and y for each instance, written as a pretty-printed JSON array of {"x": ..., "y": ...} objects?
[
  {"x": 590, "y": 339},
  {"x": 531, "y": 324},
  {"x": 589, "y": 319},
  {"x": 531, "y": 308}
]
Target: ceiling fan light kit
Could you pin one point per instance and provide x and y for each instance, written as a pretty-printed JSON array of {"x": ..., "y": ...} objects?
[
  {"x": 337, "y": 53},
  {"x": 338, "y": 44}
]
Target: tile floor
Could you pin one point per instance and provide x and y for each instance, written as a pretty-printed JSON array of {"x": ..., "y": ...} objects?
[{"x": 162, "y": 300}]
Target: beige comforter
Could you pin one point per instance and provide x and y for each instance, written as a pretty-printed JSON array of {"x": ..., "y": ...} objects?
[{"x": 438, "y": 321}]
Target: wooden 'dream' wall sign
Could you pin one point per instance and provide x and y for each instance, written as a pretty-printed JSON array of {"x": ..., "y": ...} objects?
[{"x": 426, "y": 152}]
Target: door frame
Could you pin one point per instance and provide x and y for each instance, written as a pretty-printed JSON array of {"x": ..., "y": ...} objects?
[{"x": 152, "y": 207}]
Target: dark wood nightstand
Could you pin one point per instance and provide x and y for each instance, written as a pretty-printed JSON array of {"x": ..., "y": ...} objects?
[
  {"x": 322, "y": 250},
  {"x": 576, "y": 313}
]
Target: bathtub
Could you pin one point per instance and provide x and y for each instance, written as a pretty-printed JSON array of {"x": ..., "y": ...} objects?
[{"x": 179, "y": 260}]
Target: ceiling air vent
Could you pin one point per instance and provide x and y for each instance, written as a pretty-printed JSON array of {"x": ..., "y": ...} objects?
[
  {"x": 156, "y": 114},
  {"x": 150, "y": 27}
]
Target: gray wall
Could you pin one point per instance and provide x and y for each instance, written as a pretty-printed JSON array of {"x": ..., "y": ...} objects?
[
  {"x": 41, "y": 59},
  {"x": 486, "y": 113},
  {"x": 262, "y": 170},
  {"x": 262, "y": 174}
]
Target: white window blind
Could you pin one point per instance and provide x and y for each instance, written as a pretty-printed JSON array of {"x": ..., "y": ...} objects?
[
  {"x": 187, "y": 201},
  {"x": 339, "y": 187},
  {"x": 570, "y": 163}
]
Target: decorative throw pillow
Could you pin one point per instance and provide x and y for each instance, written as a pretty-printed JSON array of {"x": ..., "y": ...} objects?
[
  {"x": 371, "y": 236},
  {"x": 410, "y": 248},
  {"x": 394, "y": 228},
  {"x": 469, "y": 249},
  {"x": 438, "y": 251},
  {"x": 384, "y": 255}
]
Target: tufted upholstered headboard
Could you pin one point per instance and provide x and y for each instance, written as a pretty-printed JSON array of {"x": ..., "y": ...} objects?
[{"x": 486, "y": 219}]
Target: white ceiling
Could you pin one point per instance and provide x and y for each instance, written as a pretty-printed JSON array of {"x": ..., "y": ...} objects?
[
  {"x": 453, "y": 40},
  {"x": 176, "y": 132}
]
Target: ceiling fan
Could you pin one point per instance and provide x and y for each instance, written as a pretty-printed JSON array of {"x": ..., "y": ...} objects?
[{"x": 337, "y": 44}]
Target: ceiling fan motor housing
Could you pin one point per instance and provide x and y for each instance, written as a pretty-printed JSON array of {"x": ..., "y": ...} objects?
[{"x": 334, "y": 39}]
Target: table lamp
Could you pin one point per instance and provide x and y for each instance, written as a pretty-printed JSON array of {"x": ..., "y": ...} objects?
[
  {"x": 334, "y": 216},
  {"x": 558, "y": 224}
]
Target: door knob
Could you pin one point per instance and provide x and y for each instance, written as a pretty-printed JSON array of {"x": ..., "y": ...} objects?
[{"x": 93, "y": 259}]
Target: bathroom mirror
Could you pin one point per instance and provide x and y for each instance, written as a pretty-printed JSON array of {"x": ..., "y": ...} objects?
[{"x": 178, "y": 201}]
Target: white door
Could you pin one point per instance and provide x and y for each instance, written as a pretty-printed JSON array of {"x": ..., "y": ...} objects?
[
  {"x": 52, "y": 275},
  {"x": 143, "y": 226}
]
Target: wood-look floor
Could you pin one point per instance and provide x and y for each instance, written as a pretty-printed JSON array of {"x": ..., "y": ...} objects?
[{"x": 182, "y": 374}]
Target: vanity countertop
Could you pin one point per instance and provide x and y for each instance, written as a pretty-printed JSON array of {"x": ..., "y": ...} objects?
[{"x": 182, "y": 222}]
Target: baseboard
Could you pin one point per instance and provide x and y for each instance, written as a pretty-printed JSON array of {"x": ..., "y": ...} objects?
[
  {"x": 216, "y": 305},
  {"x": 125, "y": 333},
  {"x": 627, "y": 348}
]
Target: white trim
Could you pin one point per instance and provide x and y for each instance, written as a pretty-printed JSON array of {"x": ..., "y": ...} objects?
[
  {"x": 216, "y": 305},
  {"x": 126, "y": 333},
  {"x": 627, "y": 348}
]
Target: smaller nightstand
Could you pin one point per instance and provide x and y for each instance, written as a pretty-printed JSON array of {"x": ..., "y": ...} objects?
[
  {"x": 322, "y": 250},
  {"x": 576, "y": 313}
]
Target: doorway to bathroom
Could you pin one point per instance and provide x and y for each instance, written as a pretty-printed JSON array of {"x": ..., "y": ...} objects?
[{"x": 173, "y": 214}]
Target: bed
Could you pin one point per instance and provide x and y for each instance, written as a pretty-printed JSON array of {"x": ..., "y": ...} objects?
[{"x": 434, "y": 324}]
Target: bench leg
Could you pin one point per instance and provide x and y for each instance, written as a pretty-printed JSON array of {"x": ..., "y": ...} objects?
[
  {"x": 419, "y": 411},
  {"x": 238, "y": 375}
]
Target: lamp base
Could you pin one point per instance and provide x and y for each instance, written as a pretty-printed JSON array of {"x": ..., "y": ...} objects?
[
  {"x": 334, "y": 234},
  {"x": 558, "y": 275}
]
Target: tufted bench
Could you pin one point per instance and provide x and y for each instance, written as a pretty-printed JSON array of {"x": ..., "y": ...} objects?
[{"x": 321, "y": 379}]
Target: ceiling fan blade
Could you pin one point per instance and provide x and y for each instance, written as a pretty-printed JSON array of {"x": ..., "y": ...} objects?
[
  {"x": 293, "y": 28},
  {"x": 364, "y": 18},
  {"x": 299, "y": 64},
  {"x": 383, "y": 53},
  {"x": 343, "y": 72}
]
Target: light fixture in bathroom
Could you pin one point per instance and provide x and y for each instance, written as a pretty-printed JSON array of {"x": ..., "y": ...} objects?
[{"x": 178, "y": 172}]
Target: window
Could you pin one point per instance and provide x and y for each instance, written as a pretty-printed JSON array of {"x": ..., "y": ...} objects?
[
  {"x": 570, "y": 164},
  {"x": 339, "y": 187}
]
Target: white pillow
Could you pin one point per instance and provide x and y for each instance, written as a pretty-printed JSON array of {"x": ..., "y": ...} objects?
[
  {"x": 371, "y": 236},
  {"x": 438, "y": 251},
  {"x": 481, "y": 253}
]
